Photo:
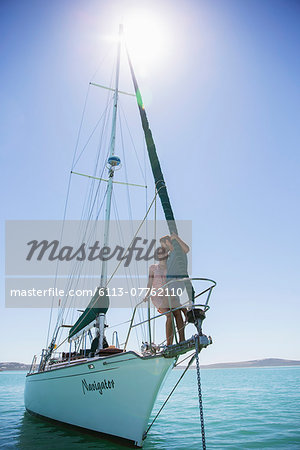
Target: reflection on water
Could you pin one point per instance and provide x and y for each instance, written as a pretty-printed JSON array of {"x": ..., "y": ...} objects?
[{"x": 35, "y": 432}]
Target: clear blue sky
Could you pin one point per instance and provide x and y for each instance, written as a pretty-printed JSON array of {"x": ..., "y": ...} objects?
[{"x": 224, "y": 111}]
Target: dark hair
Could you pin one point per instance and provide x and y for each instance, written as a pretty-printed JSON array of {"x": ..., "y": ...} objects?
[
  {"x": 165, "y": 238},
  {"x": 161, "y": 253}
]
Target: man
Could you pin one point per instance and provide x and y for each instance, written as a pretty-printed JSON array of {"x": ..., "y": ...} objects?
[
  {"x": 95, "y": 343},
  {"x": 177, "y": 264}
]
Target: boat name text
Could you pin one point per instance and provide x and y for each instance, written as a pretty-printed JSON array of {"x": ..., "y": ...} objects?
[{"x": 99, "y": 386}]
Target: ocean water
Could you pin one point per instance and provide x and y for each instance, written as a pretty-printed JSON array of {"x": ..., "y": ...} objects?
[{"x": 256, "y": 408}]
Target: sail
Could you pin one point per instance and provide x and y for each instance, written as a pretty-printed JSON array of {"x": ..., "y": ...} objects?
[
  {"x": 98, "y": 305},
  {"x": 181, "y": 262}
]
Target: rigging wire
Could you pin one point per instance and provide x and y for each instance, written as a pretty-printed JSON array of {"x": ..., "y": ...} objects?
[
  {"x": 89, "y": 211},
  {"x": 193, "y": 357},
  {"x": 89, "y": 205},
  {"x": 91, "y": 134},
  {"x": 138, "y": 229},
  {"x": 132, "y": 141},
  {"x": 119, "y": 324},
  {"x": 77, "y": 265},
  {"x": 140, "y": 313},
  {"x": 90, "y": 202},
  {"x": 65, "y": 208},
  {"x": 120, "y": 262},
  {"x": 126, "y": 275},
  {"x": 101, "y": 64},
  {"x": 167, "y": 399}
]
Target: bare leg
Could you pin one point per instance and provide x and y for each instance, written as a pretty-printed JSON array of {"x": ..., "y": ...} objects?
[
  {"x": 184, "y": 310},
  {"x": 180, "y": 325},
  {"x": 169, "y": 329},
  {"x": 169, "y": 326}
]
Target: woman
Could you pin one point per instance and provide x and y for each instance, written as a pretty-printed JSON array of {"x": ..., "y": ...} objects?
[{"x": 163, "y": 302}]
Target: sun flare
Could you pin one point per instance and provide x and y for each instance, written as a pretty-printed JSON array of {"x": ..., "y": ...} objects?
[{"x": 146, "y": 38}]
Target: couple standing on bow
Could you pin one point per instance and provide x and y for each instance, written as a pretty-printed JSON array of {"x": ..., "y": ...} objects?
[{"x": 172, "y": 264}]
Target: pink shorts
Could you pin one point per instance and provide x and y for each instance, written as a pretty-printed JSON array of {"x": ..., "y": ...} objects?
[{"x": 165, "y": 302}]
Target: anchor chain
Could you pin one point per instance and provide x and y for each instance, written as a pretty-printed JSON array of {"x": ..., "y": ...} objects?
[
  {"x": 199, "y": 392},
  {"x": 194, "y": 356}
]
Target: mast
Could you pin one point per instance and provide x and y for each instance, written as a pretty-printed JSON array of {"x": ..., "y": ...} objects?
[
  {"x": 98, "y": 306},
  {"x": 111, "y": 168},
  {"x": 112, "y": 163}
]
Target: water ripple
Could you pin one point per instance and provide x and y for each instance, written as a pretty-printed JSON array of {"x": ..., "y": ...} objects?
[{"x": 244, "y": 409}]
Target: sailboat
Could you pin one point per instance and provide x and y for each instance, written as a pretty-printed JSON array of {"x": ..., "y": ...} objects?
[{"x": 111, "y": 389}]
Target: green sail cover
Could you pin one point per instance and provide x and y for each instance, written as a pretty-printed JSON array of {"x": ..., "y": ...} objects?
[
  {"x": 181, "y": 266},
  {"x": 154, "y": 161},
  {"x": 98, "y": 305}
]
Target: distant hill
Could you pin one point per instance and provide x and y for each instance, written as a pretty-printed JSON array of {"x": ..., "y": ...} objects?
[
  {"x": 268, "y": 362},
  {"x": 13, "y": 366}
]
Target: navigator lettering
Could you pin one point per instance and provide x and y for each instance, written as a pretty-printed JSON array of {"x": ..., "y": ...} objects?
[{"x": 99, "y": 386}]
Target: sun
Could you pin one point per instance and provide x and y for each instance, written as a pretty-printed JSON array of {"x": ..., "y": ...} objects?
[{"x": 146, "y": 38}]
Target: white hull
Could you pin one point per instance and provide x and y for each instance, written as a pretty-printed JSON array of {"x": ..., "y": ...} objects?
[{"x": 115, "y": 396}]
